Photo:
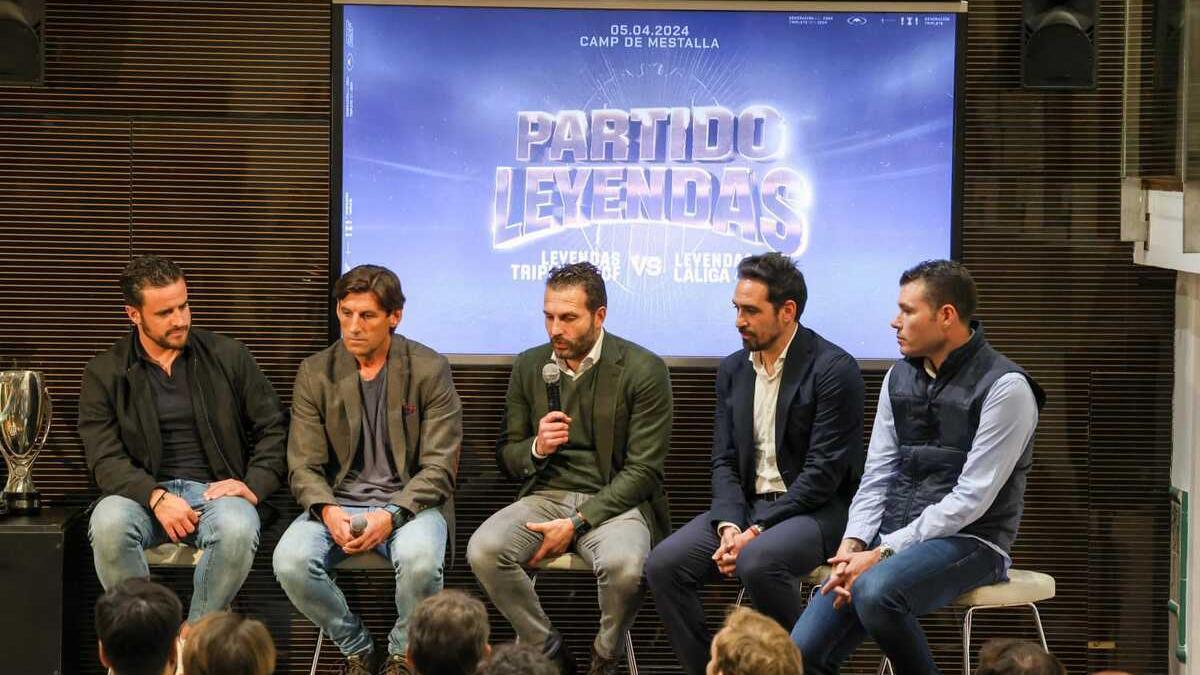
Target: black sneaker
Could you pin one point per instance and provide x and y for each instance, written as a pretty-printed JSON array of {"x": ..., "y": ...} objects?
[{"x": 559, "y": 655}]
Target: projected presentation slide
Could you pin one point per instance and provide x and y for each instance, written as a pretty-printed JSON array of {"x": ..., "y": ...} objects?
[{"x": 482, "y": 147}]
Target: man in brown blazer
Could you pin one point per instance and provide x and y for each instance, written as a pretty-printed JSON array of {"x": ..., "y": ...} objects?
[{"x": 372, "y": 457}]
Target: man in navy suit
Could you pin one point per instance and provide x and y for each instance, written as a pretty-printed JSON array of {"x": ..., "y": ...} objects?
[{"x": 787, "y": 456}]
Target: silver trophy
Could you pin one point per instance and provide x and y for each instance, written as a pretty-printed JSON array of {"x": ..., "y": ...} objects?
[{"x": 24, "y": 425}]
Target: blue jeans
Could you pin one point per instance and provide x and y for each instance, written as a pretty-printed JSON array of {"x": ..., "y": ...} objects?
[
  {"x": 886, "y": 601},
  {"x": 306, "y": 554},
  {"x": 120, "y": 529}
]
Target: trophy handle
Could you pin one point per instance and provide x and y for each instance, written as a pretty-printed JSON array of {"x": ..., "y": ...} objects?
[{"x": 43, "y": 425}]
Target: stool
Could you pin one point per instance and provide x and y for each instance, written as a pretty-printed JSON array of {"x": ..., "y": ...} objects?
[
  {"x": 570, "y": 562},
  {"x": 1024, "y": 588},
  {"x": 173, "y": 555},
  {"x": 815, "y": 577},
  {"x": 370, "y": 560}
]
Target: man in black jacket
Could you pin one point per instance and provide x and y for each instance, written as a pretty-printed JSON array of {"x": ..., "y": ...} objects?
[
  {"x": 184, "y": 436},
  {"x": 787, "y": 455}
]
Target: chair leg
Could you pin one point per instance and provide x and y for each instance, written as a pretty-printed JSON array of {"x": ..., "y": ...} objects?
[
  {"x": 741, "y": 596},
  {"x": 1037, "y": 620},
  {"x": 317, "y": 652},
  {"x": 885, "y": 666},
  {"x": 630, "y": 659},
  {"x": 966, "y": 639}
]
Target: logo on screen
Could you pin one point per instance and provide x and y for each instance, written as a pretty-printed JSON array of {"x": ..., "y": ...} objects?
[{"x": 708, "y": 168}]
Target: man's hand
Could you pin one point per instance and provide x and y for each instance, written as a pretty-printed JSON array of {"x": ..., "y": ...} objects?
[
  {"x": 728, "y": 533},
  {"x": 337, "y": 521},
  {"x": 230, "y": 487},
  {"x": 174, "y": 514},
  {"x": 552, "y": 432},
  {"x": 727, "y": 563},
  {"x": 847, "y": 568},
  {"x": 556, "y": 537},
  {"x": 379, "y": 526}
]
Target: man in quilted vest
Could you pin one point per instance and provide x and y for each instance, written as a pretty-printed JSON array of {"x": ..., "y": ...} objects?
[{"x": 942, "y": 492}]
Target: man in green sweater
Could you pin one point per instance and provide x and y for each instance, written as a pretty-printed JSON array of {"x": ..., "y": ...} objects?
[{"x": 591, "y": 472}]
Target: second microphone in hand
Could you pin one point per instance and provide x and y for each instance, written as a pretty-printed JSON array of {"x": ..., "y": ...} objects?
[{"x": 551, "y": 375}]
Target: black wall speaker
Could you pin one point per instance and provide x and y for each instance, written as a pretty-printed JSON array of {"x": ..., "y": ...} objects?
[
  {"x": 21, "y": 41},
  {"x": 1058, "y": 46}
]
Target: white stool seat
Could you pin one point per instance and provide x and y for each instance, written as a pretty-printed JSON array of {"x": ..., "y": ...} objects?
[
  {"x": 819, "y": 575},
  {"x": 173, "y": 555},
  {"x": 1022, "y": 588},
  {"x": 369, "y": 560},
  {"x": 567, "y": 562}
]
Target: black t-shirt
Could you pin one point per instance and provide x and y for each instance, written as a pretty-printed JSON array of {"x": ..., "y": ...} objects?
[{"x": 182, "y": 453}]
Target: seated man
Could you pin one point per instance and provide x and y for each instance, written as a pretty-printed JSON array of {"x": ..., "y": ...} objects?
[
  {"x": 224, "y": 643},
  {"x": 137, "y": 624},
  {"x": 184, "y": 435},
  {"x": 786, "y": 459},
  {"x": 592, "y": 472},
  {"x": 752, "y": 644},
  {"x": 448, "y": 635},
  {"x": 373, "y": 453},
  {"x": 941, "y": 496}
]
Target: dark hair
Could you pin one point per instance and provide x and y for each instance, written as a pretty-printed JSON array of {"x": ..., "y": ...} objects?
[
  {"x": 783, "y": 279},
  {"x": 1017, "y": 657},
  {"x": 224, "y": 643},
  {"x": 137, "y": 622},
  {"x": 515, "y": 659},
  {"x": 447, "y": 634},
  {"x": 147, "y": 270},
  {"x": 582, "y": 274},
  {"x": 372, "y": 279},
  {"x": 946, "y": 283}
]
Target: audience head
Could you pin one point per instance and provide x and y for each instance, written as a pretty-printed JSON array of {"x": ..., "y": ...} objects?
[
  {"x": 137, "y": 622},
  {"x": 937, "y": 300},
  {"x": 751, "y": 644},
  {"x": 447, "y": 634},
  {"x": 224, "y": 643},
  {"x": 1017, "y": 657},
  {"x": 515, "y": 659}
]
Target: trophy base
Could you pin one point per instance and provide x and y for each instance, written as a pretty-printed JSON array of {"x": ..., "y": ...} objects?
[{"x": 23, "y": 503}]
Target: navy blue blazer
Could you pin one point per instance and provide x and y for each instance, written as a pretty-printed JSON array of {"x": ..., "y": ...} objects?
[{"x": 818, "y": 437}]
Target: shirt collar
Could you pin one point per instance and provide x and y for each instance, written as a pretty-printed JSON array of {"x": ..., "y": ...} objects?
[
  {"x": 758, "y": 367},
  {"x": 593, "y": 357}
]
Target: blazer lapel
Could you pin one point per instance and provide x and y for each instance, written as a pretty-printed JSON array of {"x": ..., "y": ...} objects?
[
  {"x": 397, "y": 403},
  {"x": 147, "y": 413},
  {"x": 743, "y": 418},
  {"x": 604, "y": 410},
  {"x": 345, "y": 372},
  {"x": 798, "y": 356}
]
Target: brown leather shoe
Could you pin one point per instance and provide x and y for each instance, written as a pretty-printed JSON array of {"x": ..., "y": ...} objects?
[
  {"x": 357, "y": 664},
  {"x": 395, "y": 664},
  {"x": 602, "y": 665}
]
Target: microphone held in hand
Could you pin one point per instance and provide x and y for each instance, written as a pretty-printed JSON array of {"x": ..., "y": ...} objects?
[
  {"x": 358, "y": 525},
  {"x": 551, "y": 374}
]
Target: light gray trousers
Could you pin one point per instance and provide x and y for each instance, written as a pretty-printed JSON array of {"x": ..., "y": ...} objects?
[{"x": 616, "y": 551}]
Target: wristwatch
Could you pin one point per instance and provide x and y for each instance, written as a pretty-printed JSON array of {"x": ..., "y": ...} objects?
[
  {"x": 399, "y": 516},
  {"x": 758, "y": 528},
  {"x": 581, "y": 525},
  {"x": 886, "y": 551}
]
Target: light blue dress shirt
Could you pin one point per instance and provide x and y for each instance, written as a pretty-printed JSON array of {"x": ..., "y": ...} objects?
[{"x": 1006, "y": 424}]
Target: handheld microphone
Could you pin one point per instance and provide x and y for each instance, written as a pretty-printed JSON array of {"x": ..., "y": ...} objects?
[
  {"x": 550, "y": 375},
  {"x": 358, "y": 525}
]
